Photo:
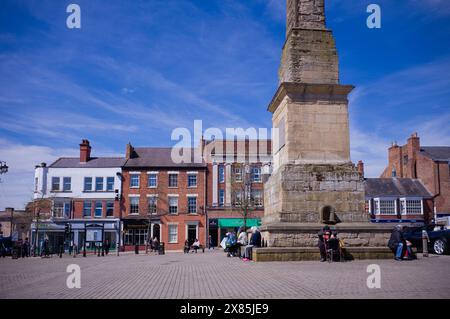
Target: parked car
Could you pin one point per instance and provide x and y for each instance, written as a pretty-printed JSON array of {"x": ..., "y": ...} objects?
[{"x": 439, "y": 239}]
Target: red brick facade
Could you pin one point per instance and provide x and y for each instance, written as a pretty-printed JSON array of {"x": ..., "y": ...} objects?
[
  {"x": 413, "y": 161},
  {"x": 174, "y": 227}
]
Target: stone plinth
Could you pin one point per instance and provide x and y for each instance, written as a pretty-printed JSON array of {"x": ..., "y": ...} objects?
[
  {"x": 310, "y": 253},
  {"x": 302, "y": 193},
  {"x": 305, "y": 234},
  {"x": 313, "y": 124},
  {"x": 298, "y": 241}
]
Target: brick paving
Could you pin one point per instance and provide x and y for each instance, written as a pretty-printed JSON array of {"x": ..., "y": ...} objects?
[{"x": 213, "y": 275}]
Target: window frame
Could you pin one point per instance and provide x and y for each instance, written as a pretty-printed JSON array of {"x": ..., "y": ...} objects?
[
  {"x": 134, "y": 207},
  {"x": 85, "y": 206},
  {"x": 172, "y": 175},
  {"x": 169, "y": 198},
  {"x": 107, "y": 208},
  {"x": 97, "y": 178},
  {"x": 221, "y": 198},
  {"x": 56, "y": 178},
  {"x": 96, "y": 207},
  {"x": 378, "y": 201},
  {"x": 221, "y": 173},
  {"x": 110, "y": 183},
  {"x": 84, "y": 184},
  {"x": 189, "y": 175},
  {"x": 261, "y": 197},
  {"x": 189, "y": 197},
  {"x": 149, "y": 175},
  {"x": 169, "y": 239},
  {"x": 64, "y": 183},
  {"x": 404, "y": 206},
  {"x": 138, "y": 177},
  {"x": 256, "y": 178},
  {"x": 152, "y": 199}
]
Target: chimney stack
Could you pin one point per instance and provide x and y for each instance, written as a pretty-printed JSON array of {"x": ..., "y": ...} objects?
[
  {"x": 85, "y": 151},
  {"x": 361, "y": 168},
  {"x": 129, "y": 153}
]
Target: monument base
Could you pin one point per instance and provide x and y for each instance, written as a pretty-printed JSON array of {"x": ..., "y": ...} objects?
[
  {"x": 298, "y": 241},
  {"x": 312, "y": 253}
]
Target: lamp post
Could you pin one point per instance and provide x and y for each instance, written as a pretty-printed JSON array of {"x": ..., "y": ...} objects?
[{"x": 3, "y": 167}]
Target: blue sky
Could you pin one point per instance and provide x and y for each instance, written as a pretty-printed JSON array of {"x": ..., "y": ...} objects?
[{"x": 138, "y": 69}]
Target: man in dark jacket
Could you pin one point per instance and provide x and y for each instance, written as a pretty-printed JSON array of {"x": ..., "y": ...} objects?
[
  {"x": 327, "y": 240},
  {"x": 398, "y": 244}
]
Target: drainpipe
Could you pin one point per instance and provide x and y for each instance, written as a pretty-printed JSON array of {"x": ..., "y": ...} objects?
[
  {"x": 205, "y": 211},
  {"x": 439, "y": 189}
]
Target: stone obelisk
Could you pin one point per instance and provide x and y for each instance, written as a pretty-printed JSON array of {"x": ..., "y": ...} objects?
[{"x": 314, "y": 181}]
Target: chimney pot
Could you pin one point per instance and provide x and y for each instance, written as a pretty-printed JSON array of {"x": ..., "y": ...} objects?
[{"x": 85, "y": 151}]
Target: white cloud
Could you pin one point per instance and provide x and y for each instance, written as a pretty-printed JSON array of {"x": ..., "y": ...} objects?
[{"x": 16, "y": 188}]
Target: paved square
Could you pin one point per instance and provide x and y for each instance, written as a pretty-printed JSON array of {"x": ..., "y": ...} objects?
[{"x": 213, "y": 275}]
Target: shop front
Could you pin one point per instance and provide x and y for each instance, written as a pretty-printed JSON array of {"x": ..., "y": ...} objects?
[
  {"x": 135, "y": 232},
  {"x": 90, "y": 232},
  {"x": 218, "y": 227}
]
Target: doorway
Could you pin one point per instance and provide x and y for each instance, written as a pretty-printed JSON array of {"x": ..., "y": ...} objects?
[
  {"x": 157, "y": 232},
  {"x": 192, "y": 234}
]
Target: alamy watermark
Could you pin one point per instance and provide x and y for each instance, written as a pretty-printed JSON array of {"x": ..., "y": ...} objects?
[
  {"x": 74, "y": 279},
  {"x": 374, "y": 279},
  {"x": 73, "y": 21},
  {"x": 374, "y": 19},
  {"x": 251, "y": 143}
]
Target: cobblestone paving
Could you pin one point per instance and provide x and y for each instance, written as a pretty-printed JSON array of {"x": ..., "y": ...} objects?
[{"x": 213, "y": 275}]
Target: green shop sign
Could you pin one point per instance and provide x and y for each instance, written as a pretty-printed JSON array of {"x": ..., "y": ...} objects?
[{"x": 238, "y": 222}]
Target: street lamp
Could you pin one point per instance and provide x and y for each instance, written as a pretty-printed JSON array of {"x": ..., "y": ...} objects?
[{"x": 3, "y": 167}]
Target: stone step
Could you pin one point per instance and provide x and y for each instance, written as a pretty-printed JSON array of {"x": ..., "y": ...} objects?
[{"x": 312, "y": 253}]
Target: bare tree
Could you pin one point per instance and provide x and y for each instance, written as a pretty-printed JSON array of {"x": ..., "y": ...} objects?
[
  {"x": 243, "y": 197},
  {"x": 37, "y": 210}
]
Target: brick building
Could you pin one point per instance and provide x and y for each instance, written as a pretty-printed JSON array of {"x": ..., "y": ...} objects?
[
  {"x": 429, "y": 164},
  {"x": 83, "y": 192},
  {"x": 235, "y": 183},
  {"x": 168, "y": 196}
]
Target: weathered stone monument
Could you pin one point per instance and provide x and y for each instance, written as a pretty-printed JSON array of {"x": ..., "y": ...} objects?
[{"x": 314, "y": 181}]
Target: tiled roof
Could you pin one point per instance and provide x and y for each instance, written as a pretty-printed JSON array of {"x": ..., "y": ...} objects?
[
  {"x": 379, "y": 187},
  {"x": 95, "y": 162},
  {"x": 158, "y": 157},
  {"x": 436, "y": 153}
]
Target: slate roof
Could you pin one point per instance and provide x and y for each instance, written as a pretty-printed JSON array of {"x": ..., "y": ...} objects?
[
  {"x": 158, "y": 157},
  {"x": 94, "y": 162},
  {"x": 436, "y": 153},
  {"x": 379, "y": 187}
]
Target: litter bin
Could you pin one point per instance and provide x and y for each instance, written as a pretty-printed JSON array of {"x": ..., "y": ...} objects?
[
  {"x": 15, "y": 253},
  {"x": 161, "y": 250}
]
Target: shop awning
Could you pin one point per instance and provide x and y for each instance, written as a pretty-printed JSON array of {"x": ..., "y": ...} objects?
[{"x": 238, "y": 222}]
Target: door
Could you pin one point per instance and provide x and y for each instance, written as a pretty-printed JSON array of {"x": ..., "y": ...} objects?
[
  {"x": 157, "y": 232},
  {"x": 192, "y": 233}
]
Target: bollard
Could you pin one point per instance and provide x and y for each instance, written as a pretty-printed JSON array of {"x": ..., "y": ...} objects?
[{"x": 425, "y": 240}]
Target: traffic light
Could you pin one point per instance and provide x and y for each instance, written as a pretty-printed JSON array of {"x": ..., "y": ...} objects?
[{"x": 67, "y": 229}]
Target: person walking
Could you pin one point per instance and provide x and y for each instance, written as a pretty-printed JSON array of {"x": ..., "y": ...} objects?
[
  {"x": 155, "y": 244},
  {"x": 26, "y": 248},
  {"x": 106, "y": 246},
  {"x": 210, "y": 244}
]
